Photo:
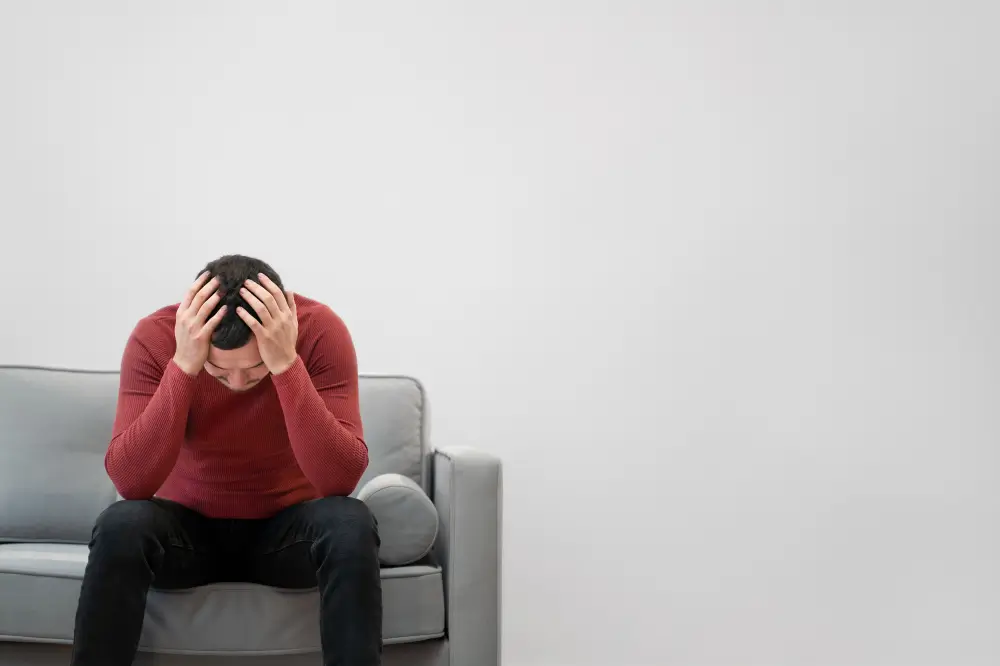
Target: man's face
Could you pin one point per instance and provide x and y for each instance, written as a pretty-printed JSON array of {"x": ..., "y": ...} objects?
[{"x": 239, "y": 369}]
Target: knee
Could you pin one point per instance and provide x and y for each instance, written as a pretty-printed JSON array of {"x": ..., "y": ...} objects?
[
  {"x": 121, "y": 528},
  {"x": 346, "y": 527}
]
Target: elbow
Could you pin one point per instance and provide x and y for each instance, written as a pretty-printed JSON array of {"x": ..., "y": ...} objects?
[
  {"x": 345, "y": 483},
  {"x": 360, "y": 467},
  {"x": 129, "y": 493},
  {"x": 128, "y": 486}
]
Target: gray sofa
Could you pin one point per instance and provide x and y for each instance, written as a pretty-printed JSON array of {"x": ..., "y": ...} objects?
[{"x": 54, "y": 428}]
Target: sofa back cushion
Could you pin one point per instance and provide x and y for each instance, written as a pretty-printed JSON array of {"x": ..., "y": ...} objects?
[
  {"x": 54, "y": 429},
  {"x": 394, "y": 416},
  {"x": 55, "y": 426}
]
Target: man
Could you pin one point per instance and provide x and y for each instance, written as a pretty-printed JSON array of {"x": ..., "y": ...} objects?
[{"x": 236, "y": 443}]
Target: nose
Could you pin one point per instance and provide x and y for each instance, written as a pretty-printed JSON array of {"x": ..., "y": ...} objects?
[{"x": 238, "y": 380}]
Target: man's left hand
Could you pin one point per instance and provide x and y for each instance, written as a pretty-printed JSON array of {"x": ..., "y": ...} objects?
[{"x": 278, "y": 328}]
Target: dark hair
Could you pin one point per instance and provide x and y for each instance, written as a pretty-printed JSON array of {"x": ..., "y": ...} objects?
[{"x": 233, "y": 270}]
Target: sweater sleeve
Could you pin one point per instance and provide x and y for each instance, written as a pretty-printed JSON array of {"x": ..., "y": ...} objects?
[
  {"x": 319, "y": 399},
  {"x": 153, "y": 402}
]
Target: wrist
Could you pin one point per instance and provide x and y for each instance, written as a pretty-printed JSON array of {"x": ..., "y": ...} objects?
[
  {"x": 284, "y": 367},
  {"x": 186, "y": 367}
]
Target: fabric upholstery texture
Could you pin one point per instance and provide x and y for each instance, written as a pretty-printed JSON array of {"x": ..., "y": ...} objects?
[
  {"x": 424, "y": 653},
  {"x": 64, "y": 420},
  {"x": 407, "y": 519},
  {"x": 441, "y": 610},
  {"x": 467, "y": 492},
  {"x": 40, "y": 584},
  {"x": 392, "y": 411}
]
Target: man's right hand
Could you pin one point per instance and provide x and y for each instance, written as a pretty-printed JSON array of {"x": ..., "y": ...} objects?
[{"x": 192, "y": 332}]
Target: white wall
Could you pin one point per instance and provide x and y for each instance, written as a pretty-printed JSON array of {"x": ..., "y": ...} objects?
[{"x": 716, "y": 279}]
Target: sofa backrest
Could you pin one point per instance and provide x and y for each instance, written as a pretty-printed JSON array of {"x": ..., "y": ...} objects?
[
  {"x": 55, "y": 426},
  {"x": 54, "y": 429}
]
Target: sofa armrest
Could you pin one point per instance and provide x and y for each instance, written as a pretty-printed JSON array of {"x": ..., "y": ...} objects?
[{"x": 468, "y": 497}]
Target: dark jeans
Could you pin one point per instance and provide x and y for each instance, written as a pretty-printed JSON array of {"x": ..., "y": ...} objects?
[{"x": 331, "y": 543}]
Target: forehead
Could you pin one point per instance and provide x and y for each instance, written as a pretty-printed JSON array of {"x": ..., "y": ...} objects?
[{"x": 244, "y": 358}]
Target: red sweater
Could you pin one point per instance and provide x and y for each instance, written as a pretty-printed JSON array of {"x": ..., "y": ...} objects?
[{"x": 226, "y": 454}]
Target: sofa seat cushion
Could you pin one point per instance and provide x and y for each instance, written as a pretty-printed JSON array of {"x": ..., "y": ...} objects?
[{"x": 43, "y": 582}]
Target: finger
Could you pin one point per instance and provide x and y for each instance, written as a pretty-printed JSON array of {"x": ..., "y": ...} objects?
[
  {"x": 203, "y": 293},
  {"x": 213, "y": 323},
  {"x": 206, "y": 307},
  {"x": 254, "y": 325},
  {"x": 257, "y": 305},
  {"x": 275, "y": 291},
  {"x": 265, "y": 297},
  {"x": 193, "y": 289},
  {"x": 290, "y": 299}
]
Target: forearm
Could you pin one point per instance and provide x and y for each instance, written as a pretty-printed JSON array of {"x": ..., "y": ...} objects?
[
  {"x": 329, "y": 453},
  {"x": 142, "y": 455}
]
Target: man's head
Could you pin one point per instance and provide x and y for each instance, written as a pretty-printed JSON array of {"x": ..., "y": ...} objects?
[{"x": 233, "y": 358}]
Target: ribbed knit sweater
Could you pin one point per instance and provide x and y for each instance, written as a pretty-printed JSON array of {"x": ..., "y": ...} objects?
[{"x": 226, "y": 454}]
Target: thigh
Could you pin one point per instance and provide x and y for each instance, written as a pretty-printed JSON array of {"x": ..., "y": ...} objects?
[
  {"x": 284, "y": 550},
  {"x": 178, "y": 543}
]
